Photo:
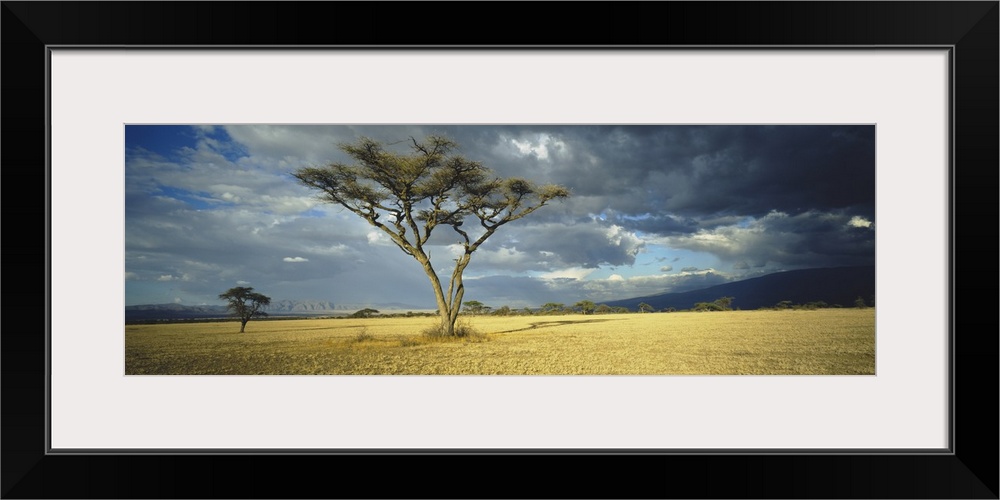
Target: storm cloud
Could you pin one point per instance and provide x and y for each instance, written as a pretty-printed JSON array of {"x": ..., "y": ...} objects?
[{"x": 209, "y": 206}]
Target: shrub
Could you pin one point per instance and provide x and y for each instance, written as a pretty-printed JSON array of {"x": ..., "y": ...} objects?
[
  {"x": 463, "y": 330},
  {"x": 363, "y": 335},
  {"x": 707, "y": 306},
  {"x": 408, "y": 341}
]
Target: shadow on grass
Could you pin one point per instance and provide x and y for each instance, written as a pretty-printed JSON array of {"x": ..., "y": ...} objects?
[{"x": 539, "y": 324}]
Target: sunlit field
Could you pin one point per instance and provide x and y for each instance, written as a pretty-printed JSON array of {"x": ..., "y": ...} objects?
[{"x": 825, "y": 341}]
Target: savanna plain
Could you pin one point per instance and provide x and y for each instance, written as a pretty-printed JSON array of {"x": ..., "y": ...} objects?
[{"x": 760, "y": 342}]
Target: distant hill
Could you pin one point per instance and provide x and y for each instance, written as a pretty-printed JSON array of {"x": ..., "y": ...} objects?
[
  {"x": 277, "y": 308},
  {"x": 299, "y": 307},
  {"x": 833, "y": 285},
  {"x": 173, "y": 311}
]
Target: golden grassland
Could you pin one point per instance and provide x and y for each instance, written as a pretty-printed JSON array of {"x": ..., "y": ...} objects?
[{"x": 824, "y": 341}]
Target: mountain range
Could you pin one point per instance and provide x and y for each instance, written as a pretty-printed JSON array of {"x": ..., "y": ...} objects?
[
  {"x": 833, "y": 285},
  {"x": 276, "y": 308}
]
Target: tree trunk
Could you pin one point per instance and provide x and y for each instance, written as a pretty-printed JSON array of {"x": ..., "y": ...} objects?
[
  {"x": 456, "y": 287},
  {"x": 447, "y": 324},
  {"x": 243, "y": 325}
]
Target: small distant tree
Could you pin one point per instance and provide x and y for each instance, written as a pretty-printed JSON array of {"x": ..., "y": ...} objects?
[
  {"x": 474, "y": 307},
  {"x": 365, "y": 313},
  {"x": 585, "y": 306},
  {"x": 860, "y": 302},
  {"x": 706, "y": 306},
  {"x": 724, "y": 303},
  {"x": 784, "y": 304},
  {"x": 244, "y": 303},
  {"x": 603, "y": 309},
  {"x": 502, "y": 311},
  {"x": 552, "y": 307},
  {"x": 645, "y": 308}
]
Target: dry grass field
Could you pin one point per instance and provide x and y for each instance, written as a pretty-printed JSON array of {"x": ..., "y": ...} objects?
[{"x": 824, "y": 341}]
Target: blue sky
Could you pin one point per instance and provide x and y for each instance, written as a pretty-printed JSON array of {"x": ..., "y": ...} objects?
[{"x": 653, "y": 209}]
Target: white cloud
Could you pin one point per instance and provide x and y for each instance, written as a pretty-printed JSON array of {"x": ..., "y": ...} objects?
[
  {"x": 295, "y": 259},
  {"x": 206, "y": 176},
  {"x": 287, "y": 205},
  {"x": 337, "y": 249},
  {"x": 170, "y": 277},
  {"x": 858, "y": 221},
  {"x": 812, "y": 238},
  {"x": 242, "y": 283},
  {"x": 625, "y": 239},
  {"x": 230, "y": 197},
  {"x": 617, "y": 287},
  {"x": 378, "y": 238},
  {"x": 507, "y": 259},
  {"x": 538, "y": 146},
  {"x": 292, "y": 144},
  {"x": 576, "y": 273},
  {"x": 666, "y": 269},
  {"x": 131, "y": 276}
]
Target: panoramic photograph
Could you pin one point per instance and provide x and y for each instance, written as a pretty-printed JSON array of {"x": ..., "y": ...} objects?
[{"x": 277, "y": 249}]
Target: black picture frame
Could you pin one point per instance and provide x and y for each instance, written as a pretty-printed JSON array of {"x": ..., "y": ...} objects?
[{"x": 969, "y": 28}]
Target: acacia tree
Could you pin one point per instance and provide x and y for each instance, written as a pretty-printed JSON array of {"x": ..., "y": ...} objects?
[
  {"x": 365, "y": 313},
  {"x": 408, "y": 195},
  {"x": 586, "y": 306},
  {"x": 475, "y": 307},
  {"x": 552, "y": 307},
  {"x": 726, "y": 303},
  {"x": 245, "y": 303}
]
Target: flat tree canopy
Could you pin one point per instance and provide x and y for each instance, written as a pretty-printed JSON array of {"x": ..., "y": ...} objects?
[
  {"x": 245, "y": 303},
  {"x": 409, "y": 195}
]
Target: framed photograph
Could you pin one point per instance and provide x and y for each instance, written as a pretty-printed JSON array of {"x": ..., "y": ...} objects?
[{"x": 183, "y": 150}]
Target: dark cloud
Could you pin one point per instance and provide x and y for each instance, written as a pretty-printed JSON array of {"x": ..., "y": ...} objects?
[
  {"x": 673, "y": 179},
  {"x": 588, "y": 245},
  {"x": 223, "y": 207},
  {"x": 809, "y": 239}
]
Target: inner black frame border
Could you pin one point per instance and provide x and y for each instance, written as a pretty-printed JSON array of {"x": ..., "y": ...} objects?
[{"x": 967, "y": 470}]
